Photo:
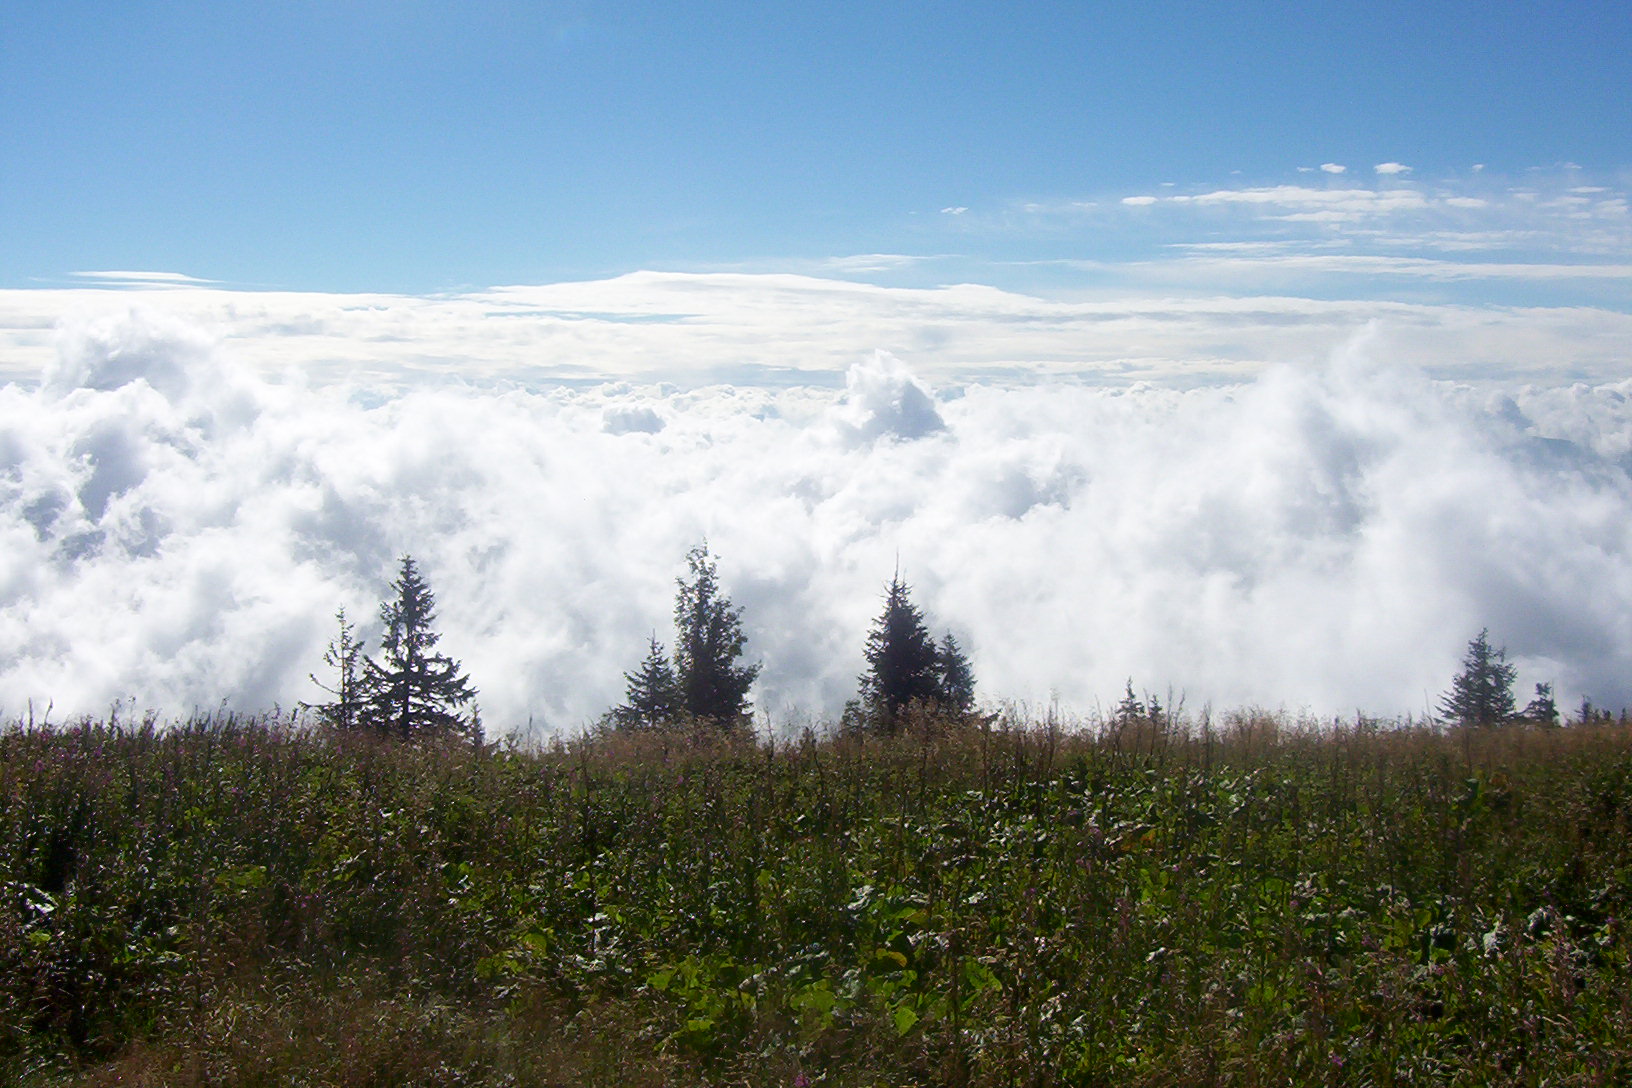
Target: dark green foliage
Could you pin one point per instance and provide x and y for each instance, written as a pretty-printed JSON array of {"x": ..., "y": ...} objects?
[
  {"x": 956, "y": 679},
  {"x": 1542, "y": 709},
  {"x": 249, "y": 903},
  {"x": 709, "y": 641},
  {"x": 1482, "y": 693},
  {"x": 653, "y": 698},
  {"x": 907, "y": 670},
  {"x": 413, "y": 691},
  {"x": 903, "y": 667}
]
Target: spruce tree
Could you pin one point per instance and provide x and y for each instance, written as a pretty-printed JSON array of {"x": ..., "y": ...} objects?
[
  {"x": 653, "y": 698},
  {"x": 903, "y": 666},
  {"x": 955, "y": 678},
  {"x": 1542, "y": 710},
  {"x": 414, "y": 691},
  {"x": 1130, "y": 711},
  {"x": 345, "y": 656},
  {"x": 1482, "y": 693},
  {"x": 712, "y": 686}
]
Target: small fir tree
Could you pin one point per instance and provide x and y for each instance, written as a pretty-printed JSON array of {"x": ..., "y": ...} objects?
[
  {"x": 712, "y": 686},
  {"x": 1130, "y": 711},
  {"x": 345, "y": 657},
  {"x": 956, "y": 677},
  {"x": 1482, "y": 693},
  {"x": 903, "y": 666},
  {"x": 1542, "y": 709},
  {"x": 414, "y": 691},
  {"x": 653, "y": 698}
]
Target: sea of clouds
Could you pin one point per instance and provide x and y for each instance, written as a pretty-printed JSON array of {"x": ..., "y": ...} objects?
[{"x": 179, "y": 528}]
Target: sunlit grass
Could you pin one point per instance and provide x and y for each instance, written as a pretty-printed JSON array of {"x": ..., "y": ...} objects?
[{"x": 1252, "y": 900}]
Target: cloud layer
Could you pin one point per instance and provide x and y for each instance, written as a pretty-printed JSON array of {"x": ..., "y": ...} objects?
[
  {"x": 782, "y": 330},
  {"x": 179, "y": 527}
]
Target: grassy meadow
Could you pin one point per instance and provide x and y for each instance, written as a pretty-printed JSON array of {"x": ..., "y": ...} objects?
[{"x": 1256, "y": 901}]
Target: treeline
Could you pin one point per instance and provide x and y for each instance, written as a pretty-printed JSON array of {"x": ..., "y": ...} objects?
[{"x": 414, "y": 691}]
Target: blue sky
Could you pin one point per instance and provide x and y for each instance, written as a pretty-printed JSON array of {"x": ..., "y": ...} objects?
[{"x": 422, "y": 147}]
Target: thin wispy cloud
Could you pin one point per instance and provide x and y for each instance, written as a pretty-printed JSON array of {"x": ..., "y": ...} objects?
[
  {"x": 1535, "y": 235},
  {"x": 1352, "y": 264},
  {"x": 140, "y": 279}
]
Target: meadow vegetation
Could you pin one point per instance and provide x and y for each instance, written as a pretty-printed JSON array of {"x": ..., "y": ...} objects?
[{"x": 1147, "y": 900}]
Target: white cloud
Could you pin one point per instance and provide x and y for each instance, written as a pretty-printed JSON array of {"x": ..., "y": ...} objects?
[
  {"x": 1139, "y": 201},
  {"x": 1296, "y": 203},
  {"x": 883, "y": 399},
  {"x": 1168, "y": 321},
  {"x": 861, "y": 264},
  {"x": 631, "y": 419},
  {"x": 179, "y": 531},
  {"x": 1304, "y": 264},
  {"x": 958, "y": 210},
  {"x": 1334, "y": 168},
  {"x": 141, "y": 279},
  {"x": 1391, "y": 168}
]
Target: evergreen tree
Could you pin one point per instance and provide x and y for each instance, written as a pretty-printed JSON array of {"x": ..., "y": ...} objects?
[
  {"x": 956, "y": 679},
  {"x": 414, "y": 691},
  {"x": 1130, "y": 711},
  {"x": 1482, "y": 693},
  {"x": 712, "y": 686},
  {"x": 1542, "y": 709},
  {"x": 345, "y": 657},
  {"x": 903, "y": 666},
  {"x": 654, "y": 693}
]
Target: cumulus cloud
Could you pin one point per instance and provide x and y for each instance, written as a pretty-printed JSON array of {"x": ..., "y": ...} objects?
[
  {"x": 882, "y": 398},
  {"x": 178, "y": 530},
  {"x": 1334, "y": 168},
  {"x": 1391, "y": 168},
  {"x": 1139, "y": 201},
  {"x": 631, "y": 419}
]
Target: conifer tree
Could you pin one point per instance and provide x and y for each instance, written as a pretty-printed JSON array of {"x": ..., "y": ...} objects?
[
  {"x": 1130, "y": 710},
  {"x": 1542, "y": 710},
  {"x": 712, "y": 686},
  {"x": 956, "y": 679},
  {"x": 345, "y": 657},
  {"x": 1482, "y": 693},
  {"x": 653, "y": 697},
  {"x": 903, "y": 666},
  {"x": 414, "y": 691}
]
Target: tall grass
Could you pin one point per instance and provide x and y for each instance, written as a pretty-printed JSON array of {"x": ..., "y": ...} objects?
[{"x": 1256, "y": 900}]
